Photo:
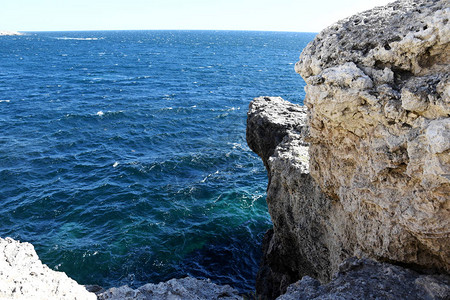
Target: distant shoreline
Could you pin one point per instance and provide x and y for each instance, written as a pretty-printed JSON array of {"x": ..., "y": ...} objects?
[{"x": 5, "y": 33}]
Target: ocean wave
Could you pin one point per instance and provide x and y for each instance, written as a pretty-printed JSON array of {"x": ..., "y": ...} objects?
[
  {"x": 79, "y": 39},
  {"x": 146, "y": 163}
]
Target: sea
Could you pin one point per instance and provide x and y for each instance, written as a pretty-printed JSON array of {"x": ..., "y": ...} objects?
[{"x": 123, "y": 156}]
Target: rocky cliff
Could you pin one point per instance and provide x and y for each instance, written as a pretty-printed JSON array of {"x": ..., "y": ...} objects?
[{"x": 377, "y": 131}]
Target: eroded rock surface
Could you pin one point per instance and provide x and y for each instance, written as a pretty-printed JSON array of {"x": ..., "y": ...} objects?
[
  {"x": 312, "y": 234},
  {"x": 269, "y": 120},
  {"x": 367, "y": 279},
  {"x": 378, "y": 96},
  {"x": 175, "y": 289},
  {"x": 23, "y": 276},
  {"x": 274, "y": 129},
  {"x": 377, "y": 183}
]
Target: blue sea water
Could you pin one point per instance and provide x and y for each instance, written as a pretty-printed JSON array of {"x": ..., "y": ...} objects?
[{"x": 123, "y": 157}]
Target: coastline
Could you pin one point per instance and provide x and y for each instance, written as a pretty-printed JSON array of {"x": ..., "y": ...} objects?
[
  {"x": 10, "y": 33},
  {"x": 331, "y": 237}
]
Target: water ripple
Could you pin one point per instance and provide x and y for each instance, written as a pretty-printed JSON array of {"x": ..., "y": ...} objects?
[{"x": 123, "y": 156}]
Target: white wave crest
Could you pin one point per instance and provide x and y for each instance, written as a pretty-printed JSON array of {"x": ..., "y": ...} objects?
[{"x": 78, "y": 39}]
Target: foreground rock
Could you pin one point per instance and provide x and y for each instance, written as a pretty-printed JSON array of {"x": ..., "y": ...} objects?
[
  {"x": 377, "y": 183},
  {"x": 367, "y": 279},
  {"x": 174, "y": 289},
  {"x": 23, "y": 276}
]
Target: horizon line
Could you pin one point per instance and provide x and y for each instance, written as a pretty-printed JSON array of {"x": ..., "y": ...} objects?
[{"x": 93, "y": 30}]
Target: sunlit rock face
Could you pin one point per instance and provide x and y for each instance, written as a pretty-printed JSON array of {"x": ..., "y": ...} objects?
[
  {"x": 312, "y": 234},
  {"x": 23, "y": 276},
  {"x": 378, "y": 96},
  {"x": 365, "y": 171}
]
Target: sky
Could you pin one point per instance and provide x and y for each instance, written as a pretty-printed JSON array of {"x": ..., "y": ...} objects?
[{"x": 266, "y": 15}]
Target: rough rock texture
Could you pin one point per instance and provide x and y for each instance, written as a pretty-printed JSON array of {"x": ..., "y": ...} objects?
[
  {"x": 311, "y": 232},
  {"x": 269, "y": 120},
  {"x": 175, "y": 289},
  {"x": 378, "y": 180},
  {"x": 367, "y": 279},
  {"x": 378, "y": 96},
  {"x": 23, "y": 276}
]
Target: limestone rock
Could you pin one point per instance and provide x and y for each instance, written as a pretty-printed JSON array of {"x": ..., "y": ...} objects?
[
  {"x": 23, "y": 276},
  {"x": 269, "y": 120},
  {"x": 274, "y": 127},
  {"x": 379, "y": 106},
  {"x": 175, "y": 289},
  {"x": 367, "y": 279},
  {"x": 377, "y": 181},
  {"x": 312, "y": 234}
]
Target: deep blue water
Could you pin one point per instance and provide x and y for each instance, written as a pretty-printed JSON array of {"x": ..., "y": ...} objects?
[{"x": 123, "y": 156}]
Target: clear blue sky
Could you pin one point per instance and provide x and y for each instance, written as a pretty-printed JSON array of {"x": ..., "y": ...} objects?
[{"x": 276, "y": 15}]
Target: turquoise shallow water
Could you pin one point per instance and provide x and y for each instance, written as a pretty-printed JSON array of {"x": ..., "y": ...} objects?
[{"x": 123, "y": 156}]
